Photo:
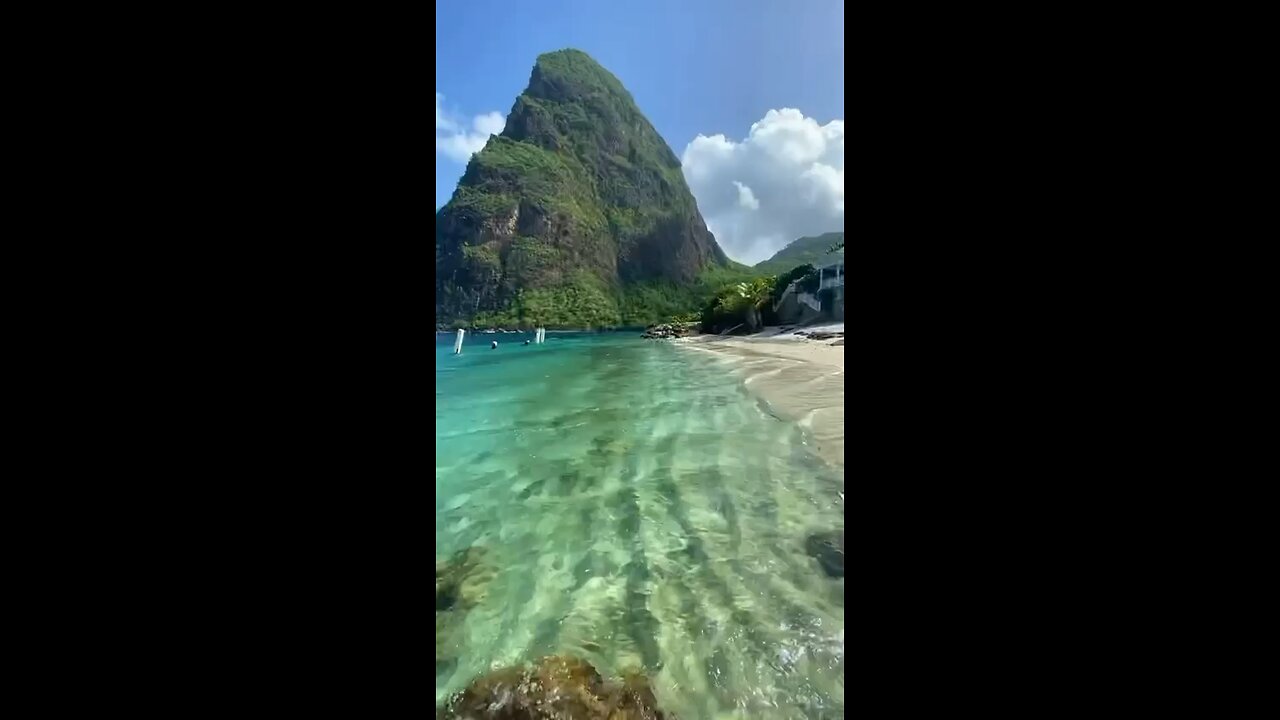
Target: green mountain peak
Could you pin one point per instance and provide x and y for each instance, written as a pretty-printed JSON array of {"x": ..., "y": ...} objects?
[{"x": 577, "y": 208}]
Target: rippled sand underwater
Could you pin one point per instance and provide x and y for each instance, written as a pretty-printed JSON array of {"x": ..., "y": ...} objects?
[{"x": 628, "y": 502}]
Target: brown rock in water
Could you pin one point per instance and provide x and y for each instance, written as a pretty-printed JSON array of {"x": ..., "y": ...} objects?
[
  {"x": 571, "y": 687},
  {"x": 502, "y": 693},
  {"x": 462, "y": 578},
  {"x": 828, "y": 549},
  {"x": 556, "y": 687},
  {"x": 461, "y": 582},
  {"x": 636, "y": 700}
]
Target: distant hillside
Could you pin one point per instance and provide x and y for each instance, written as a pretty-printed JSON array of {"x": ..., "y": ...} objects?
[{"x": 812, "y": 250}]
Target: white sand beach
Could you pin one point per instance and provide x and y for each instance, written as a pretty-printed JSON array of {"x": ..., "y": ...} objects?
[{"x": 800, "y": 379}]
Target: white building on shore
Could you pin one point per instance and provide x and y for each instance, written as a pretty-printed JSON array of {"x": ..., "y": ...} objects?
[{"x": 796, "y": 305}]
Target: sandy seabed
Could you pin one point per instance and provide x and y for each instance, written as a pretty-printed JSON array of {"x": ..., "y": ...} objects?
[{"x": 801, "y": 380}]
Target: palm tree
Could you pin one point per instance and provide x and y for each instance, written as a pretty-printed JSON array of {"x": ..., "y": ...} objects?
[{"x": 753, "y": 296}]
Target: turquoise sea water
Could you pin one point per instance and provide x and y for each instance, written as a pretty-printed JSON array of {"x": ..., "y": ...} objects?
[{"x": 637, "y": 508}]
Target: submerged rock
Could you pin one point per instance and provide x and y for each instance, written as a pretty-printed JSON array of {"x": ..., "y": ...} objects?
[
  {"x": 461, "y": 582},
  {"x": 449, "y": 637},
  {"x": 558, "y": 686},
  {"x": 462, "y": 578},
  {"x": 828, "y": 549}
]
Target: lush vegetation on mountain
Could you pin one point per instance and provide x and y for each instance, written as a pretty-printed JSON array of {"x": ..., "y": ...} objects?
[
  {"x": 584, "y": 303},
  {"x": 815, "y": 251}
]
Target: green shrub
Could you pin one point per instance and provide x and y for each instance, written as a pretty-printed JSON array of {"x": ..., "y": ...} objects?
[
  {"x": 809, "y": 283},
  {"x": 785, "y": 279}
]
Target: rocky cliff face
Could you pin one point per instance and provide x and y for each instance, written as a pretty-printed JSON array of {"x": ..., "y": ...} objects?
[{"x": 577, "y": 199}]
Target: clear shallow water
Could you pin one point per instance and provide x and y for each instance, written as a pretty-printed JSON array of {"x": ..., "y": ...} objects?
[{"x": 638, "y": 509}]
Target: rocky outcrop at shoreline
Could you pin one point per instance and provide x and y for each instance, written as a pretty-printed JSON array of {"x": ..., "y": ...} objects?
[{"x": 669, "y": 330}]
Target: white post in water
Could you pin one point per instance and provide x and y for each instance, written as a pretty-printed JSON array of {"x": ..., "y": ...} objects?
[{"x": 457, "y": 344}]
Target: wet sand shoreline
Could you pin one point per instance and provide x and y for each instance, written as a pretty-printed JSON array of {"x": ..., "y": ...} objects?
[{"x": 801, "y": 380}]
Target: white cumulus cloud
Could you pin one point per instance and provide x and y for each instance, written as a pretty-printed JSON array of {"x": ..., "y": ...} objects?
[
  {"x": 783, "y": 181},
  {"x": 458, "y": 140}
]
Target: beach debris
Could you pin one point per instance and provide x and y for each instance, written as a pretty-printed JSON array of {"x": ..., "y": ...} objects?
[
  {"x": 838, "y": 342},
  {"x": 558, "y": 686},
  {"x": 828, "y": 549},
  {"x": 818, "y": 334}
]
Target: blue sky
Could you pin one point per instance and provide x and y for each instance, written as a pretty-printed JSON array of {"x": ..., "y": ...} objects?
[{"x": 694, "y": 67}]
